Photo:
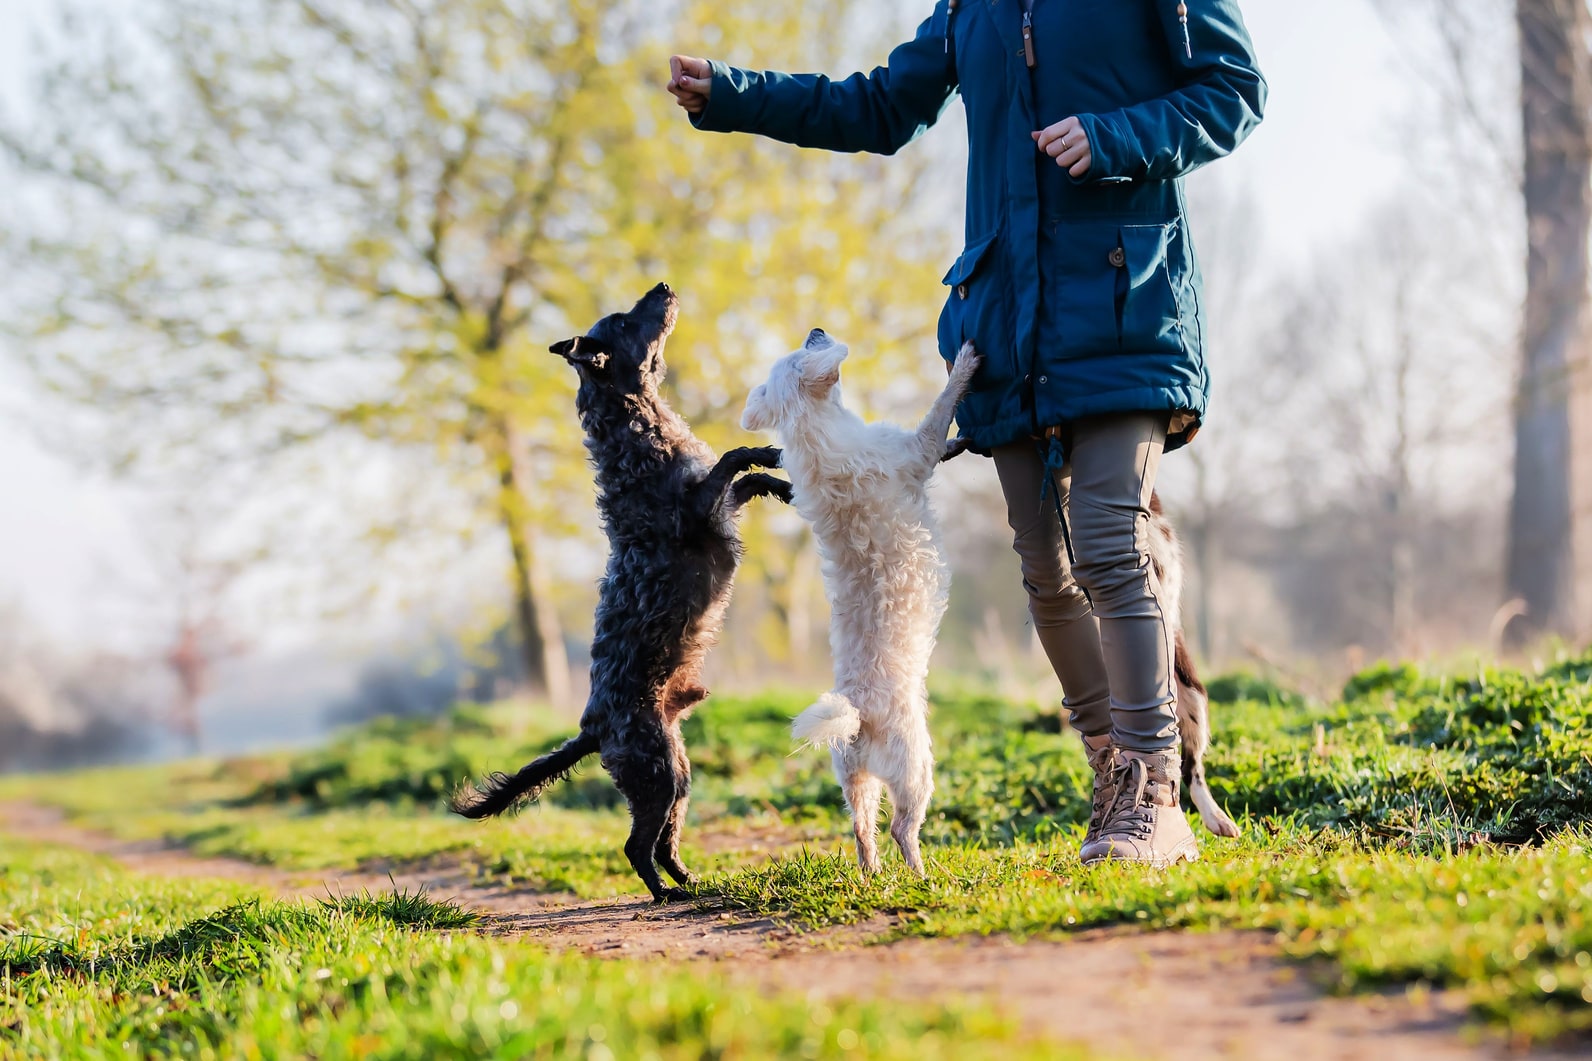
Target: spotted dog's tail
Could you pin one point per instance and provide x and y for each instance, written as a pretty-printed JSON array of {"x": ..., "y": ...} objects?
[
  {"x": 1183, "y": 665},
  {"x": 499, "y": 792}
]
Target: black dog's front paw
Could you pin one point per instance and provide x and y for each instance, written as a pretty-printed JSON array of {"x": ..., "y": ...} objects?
[
  {"x": 671, "y": 895},
  {"x": 756, "y": 456},
  {"x": 760, "y": 484}
]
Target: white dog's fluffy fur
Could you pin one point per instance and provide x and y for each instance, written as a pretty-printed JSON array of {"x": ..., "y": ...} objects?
[{"x": 864, "y": 489}]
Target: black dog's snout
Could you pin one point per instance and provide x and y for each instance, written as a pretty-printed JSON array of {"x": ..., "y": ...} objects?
[{"x": 663, "y": 289}]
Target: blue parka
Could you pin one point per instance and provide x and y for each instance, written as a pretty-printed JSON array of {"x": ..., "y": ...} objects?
[{"x": 1083, "y": 296}]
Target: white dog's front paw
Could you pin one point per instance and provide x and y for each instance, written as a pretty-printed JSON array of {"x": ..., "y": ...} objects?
[{"x": 967, "y": 362}]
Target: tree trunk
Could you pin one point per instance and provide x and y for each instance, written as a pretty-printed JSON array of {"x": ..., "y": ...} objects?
[
  {"x": 1556, "y": 109},
  {"x": 541, "y": 636}
]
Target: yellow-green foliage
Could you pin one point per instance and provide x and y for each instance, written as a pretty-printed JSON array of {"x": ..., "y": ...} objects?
[{"x": 434, "y": 193}]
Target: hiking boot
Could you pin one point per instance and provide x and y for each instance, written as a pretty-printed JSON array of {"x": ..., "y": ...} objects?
[
  {"x": 1103, "y": 761},
  {"x": 1145, "y": 823}
]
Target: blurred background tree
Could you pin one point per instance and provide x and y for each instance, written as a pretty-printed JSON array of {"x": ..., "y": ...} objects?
[
  {"x": 282, "y": 220},
  {"x": 1553, "y": 445}
]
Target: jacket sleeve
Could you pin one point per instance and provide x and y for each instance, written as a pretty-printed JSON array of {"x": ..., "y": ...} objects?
[
  {"x": 879, "y": 112},
  {"x": 1222, "y": 99}
]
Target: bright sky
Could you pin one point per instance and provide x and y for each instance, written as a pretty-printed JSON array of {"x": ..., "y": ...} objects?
[{"x": 1323, "y": 157}]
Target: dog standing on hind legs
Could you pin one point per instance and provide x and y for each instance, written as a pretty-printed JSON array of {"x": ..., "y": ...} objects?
[
  {"x": 864, "y": 489},
  {"x": 669, "y": 510}
]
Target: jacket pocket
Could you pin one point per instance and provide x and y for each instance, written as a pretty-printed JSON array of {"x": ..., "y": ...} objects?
[
  {"x": 1150, "y": 317},
  {"x": 964, "y": 267},
  {"x": 1111, "y": 289},
  {"x": 976, "y": 309}
]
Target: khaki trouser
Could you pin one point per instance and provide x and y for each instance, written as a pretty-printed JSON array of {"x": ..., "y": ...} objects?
[{"x": 1097, "y": 608}]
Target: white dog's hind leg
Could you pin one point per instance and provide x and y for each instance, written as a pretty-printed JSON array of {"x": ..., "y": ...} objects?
[
  {"x": 862, "y": 791},
  {"x": 904, "y": 828},
  {"x": 909, "y": 806}
]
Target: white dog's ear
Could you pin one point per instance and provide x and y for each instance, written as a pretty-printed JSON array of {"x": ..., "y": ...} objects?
[
  {"x": 821, "y": 369},
  {"x": 755, "y": 416}
]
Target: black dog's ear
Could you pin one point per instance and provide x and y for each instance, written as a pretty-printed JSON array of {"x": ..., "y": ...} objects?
[{"x": 582, "y": 350}]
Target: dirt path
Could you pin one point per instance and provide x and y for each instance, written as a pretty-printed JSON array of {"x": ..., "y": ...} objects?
[{"x": 1124, "y": 994}]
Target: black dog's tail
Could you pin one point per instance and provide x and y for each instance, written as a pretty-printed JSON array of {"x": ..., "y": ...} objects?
[{"x": 499, "y": 792}]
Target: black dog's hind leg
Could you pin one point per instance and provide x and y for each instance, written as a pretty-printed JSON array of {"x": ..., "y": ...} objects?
[
  {"x": 648, "y": 779},
  {"x": 649, "y": 814},
  {"x": 647, "y": 821},
  {"x": 668, "y": 852},
  {"x": 759, "y": 484}
]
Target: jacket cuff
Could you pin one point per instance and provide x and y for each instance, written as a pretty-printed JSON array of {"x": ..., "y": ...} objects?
[
  {"x": 1113, "y": 149},
  {"x": 726, "y": 108}
]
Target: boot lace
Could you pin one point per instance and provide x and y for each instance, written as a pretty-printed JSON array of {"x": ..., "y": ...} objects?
[
  {"x": 1104, "y": 763},
  {"x": 1131, "y": 813}
]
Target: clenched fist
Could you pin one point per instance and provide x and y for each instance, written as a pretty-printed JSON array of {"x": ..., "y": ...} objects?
[{"x": 690, "y": 82}]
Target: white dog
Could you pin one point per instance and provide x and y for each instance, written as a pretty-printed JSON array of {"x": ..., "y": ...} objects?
[{"x": 864, "y": 489}]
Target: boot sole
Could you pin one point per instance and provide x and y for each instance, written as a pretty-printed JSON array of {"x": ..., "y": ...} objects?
[{"x": 1187, "y": 852}]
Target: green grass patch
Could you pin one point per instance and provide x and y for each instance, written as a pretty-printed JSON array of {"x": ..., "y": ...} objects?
[
  {"x": 1510, "y": 928},
  {"x": 95, "y": 962},
  {"x": 1419, "y": 828}
]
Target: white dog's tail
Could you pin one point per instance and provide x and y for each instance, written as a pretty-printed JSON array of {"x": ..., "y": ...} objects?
[{"x": 830, "y": 723}]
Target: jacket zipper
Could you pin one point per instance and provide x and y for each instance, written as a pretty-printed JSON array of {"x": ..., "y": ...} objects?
[
  {"x": 1028, "y": 33},
  {"x": 1031, "y": 396}
]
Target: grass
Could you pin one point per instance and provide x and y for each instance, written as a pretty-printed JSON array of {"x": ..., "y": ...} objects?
[
  {"x": 1417, "y": 829},
  {"x": 95, "y": 963},
  {"x": 1513, "y": 929}
]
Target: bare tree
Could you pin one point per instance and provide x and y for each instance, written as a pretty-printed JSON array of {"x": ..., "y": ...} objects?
[
  {"x": 1549, "y": 168},
  {"x": 1556, "y": 116},
  {"x": 1400, "y": 350},
  {"x": 1235, "y": 458}
]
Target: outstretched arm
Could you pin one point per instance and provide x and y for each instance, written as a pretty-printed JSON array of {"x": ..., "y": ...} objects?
[
  {"x": 879, "y": 112},
  {"x": 930, "y": 438}
]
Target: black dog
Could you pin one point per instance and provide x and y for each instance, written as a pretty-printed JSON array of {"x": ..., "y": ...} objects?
[{"x": 669, "y": 509}]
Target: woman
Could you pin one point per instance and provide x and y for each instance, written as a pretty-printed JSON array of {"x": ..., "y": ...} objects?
[{"x": 1079, "y": 287}]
